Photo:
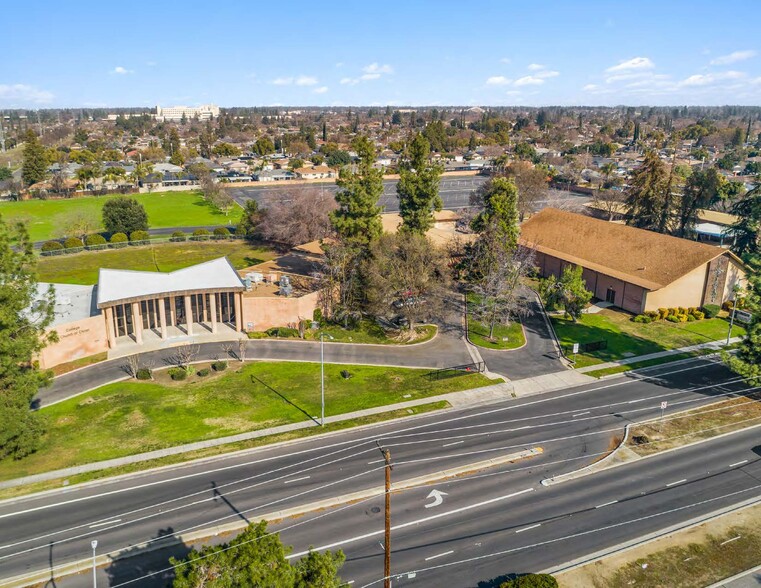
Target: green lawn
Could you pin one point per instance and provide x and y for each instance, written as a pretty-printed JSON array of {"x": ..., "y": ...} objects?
[
  {"x": 370, "y": 332},
  {"x": 165, "y": 209},
  {"x": 505, "y": 336},
  {"x": 627, "y": 339},
  {"x": 132, "y": 417},
  {"x": 82, "y": 268}
]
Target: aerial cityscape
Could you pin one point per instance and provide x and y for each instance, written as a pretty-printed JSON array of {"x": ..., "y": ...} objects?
[{"x": 349, "y": 295}]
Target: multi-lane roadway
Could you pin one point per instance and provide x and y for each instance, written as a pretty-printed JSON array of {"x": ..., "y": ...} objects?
[{"x": 495, "y": 522}]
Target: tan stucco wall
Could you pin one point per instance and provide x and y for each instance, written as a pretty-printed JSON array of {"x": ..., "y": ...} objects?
[
  {"x": 687, "y": 291},
  {"x": 262, "y": 313},
  {"x": 76, "y": 340},
  {"x": 735, "y": 277}
]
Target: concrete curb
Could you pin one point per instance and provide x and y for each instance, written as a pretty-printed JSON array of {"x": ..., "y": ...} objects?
[
  {"x": 722, "y": 583},
  {"x": 200, "y": 534}
]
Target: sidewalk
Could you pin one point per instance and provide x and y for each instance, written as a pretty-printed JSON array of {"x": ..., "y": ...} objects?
[
  {"x": 464, "y": 399},
  {"x": 712, "y": 346}
]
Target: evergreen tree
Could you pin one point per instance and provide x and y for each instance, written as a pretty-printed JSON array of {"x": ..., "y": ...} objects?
[
  {"x": 25, "y": 316},
  {"x": 747, "y": 362},
  {"x": 124, "y": 215},
  {"x": 35, "y": 165},
  {"x": 636, "y": 133},
  {"x": 418, "y": 187},
  {"x": 700, "y": 191},
  {"x": 325, "y": 132},
  {"x": 500, "y": 211},
  {"x": 357, "y": 219},
  {"x": 747, "y": 230},
  {"x": 647, "y": 199}
]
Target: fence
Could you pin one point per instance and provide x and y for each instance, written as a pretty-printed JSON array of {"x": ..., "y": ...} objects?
[
  {"x": 457, "y": 370},
  {"x": 123, "y": 244}
]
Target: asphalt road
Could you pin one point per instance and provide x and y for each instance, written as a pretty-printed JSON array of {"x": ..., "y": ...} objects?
[
  {"x": 574, "y": 427},
  {"x": 454, "y": 191}
]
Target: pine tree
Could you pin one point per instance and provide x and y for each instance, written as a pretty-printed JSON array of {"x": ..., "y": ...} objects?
[
  {"x": 747, "y": 229},
  {"x": 418, "y": 187},
  {"x": 747, "y": 362},
  {"x": 35, "y": 164},
  {"x": 25, "y": 317},
  {"x": 500, "y": 211},
  {"x": 325, "y": 132},
  {"x": 647, "y": 198},
  {"x": 357, "y": 219}
]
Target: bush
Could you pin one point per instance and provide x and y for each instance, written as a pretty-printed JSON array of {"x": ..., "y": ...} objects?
[
  {"x": 50, "y": 246},
  {"x": 642, "y": 318},
  {"x": 139, "y": 236},
  {"x": 699, "y": 316},
  {"x": 118, "y": 240},
  {"x": 653, "y": 314},
  {"x": 73, "y": 243},
  {"x": 95, "y": 240},
  {"x": 177, "y": 236},
  {"x": 240, "y": 231},
  {"x": 672, "y": 318},
  {"x": 690, "y": 318},
  {"x": 317, "y": 315},
  {"x": 531, "y": 581},
  {"x": 177, "y": 373},
  {"x": 144, "y": 374},
  {"x": 682, "y": 318},
  {"x": 219, "y": 366},
  {"x": 203, "y": 372},
  {"x": 663, "y": 313},
  {"x": 283, "y": 332},
  {"x": 200, "y": 235},
  {"x": 711, "y": 310},
  {"x": 681, "y": 310},
  {"x": 728, "y": 305},
  {"x": 221, "y": 233},
  {"x": 257, "y": 335}
]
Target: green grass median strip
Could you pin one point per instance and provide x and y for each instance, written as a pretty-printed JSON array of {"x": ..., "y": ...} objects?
[
  {"x": 222, "y": 449},
  {"x": 133, "y": 417},
  {"x": 504, "y": 336}
]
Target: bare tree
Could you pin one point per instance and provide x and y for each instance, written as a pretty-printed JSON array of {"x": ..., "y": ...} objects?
[
  {"x": 186, "y": 354},
  {"x": 611, "y": 202},
  {"x": 340, "y": 282},
  {"x": 78, "y": 223},
  {"x": 228, "y": 349},
  {"x": 242, "y": 348},
  {"x": 564, "y": 201},
  {"x": 531, "y": 183},
  {"x": 133, "y": 365},
  {"x": 300, "y": 215}
]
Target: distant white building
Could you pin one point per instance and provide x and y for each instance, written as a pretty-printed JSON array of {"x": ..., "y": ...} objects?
[{"x": 203, "y": 112}]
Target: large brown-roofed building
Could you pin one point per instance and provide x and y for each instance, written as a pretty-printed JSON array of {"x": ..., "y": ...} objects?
[{"x": 634, "y": 269}]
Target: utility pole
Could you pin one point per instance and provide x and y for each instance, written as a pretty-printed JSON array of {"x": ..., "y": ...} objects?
[
  {"x": 387, "y": 540},
  {"x": 2, "y": 134}
]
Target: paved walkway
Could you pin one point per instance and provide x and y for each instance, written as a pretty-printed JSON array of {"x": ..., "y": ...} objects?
[
  {"x": 747, "y": 579},
  {"x": 464, "y": 399},
  {"x": 712, "y": 346}
]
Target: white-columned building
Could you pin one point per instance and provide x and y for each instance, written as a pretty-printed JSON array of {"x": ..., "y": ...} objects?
[{"x": 203, "y": 112}]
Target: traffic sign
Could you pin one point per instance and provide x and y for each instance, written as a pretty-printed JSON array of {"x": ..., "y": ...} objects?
[
  {"x": 743, "y": 316},
  {"x": 575, "y": 348},
  {"x": 664, "y": 405}
]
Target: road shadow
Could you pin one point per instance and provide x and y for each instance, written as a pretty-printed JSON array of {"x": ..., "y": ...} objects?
[
  {"x": 218, "y": 496},
  {"x": 255, "y": 379},
  {"x": 148, "y": 566}
]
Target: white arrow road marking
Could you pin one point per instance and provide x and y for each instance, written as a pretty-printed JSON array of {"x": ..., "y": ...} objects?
[{"x": 438, "y": 498}]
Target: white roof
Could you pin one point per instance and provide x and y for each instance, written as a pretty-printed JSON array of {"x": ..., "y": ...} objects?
[
  {"x": 115, "y": 285},
  {"x": 72, "y": 302}
]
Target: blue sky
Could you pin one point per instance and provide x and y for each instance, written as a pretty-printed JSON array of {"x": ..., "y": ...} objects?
[{"x": 83, "y": 53}]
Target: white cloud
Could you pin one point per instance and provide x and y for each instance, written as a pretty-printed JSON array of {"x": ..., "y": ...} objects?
[
  {"x": 119, "y": 70},
  {"x": 349, "y": 81},
  {"x": 711, "y": 78},
  {"x": 734, "y": 57},
  {"x": 282, "y": 81},
  {"x": 535, "y": 66},
  {"x": 505, "y": 60},
  {"x": 547, "y": 74},
  {"x": 306, "y": 81},
  {"x": 498, "y": 81},
  {"x": 636, "y": 63},
  {"x": 369, "y": 76},
  {"x": 591, "y": 87},
  {"x": 320, "y": 90},
  {"x": 374, "y": 68},
  {"x": 529, "y": 81},
  {"x": 23, "y": 94}
]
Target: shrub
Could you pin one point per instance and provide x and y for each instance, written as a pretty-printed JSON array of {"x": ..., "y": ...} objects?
[
  {"x": 642, "y": 318},
  {"x": 699, "y": 316},
  {"x": 257, "y": 335},
  {"x": 681, "y": 310},
  {"x": 653, "y": 314},
  {"x": 663, "y": 313},
  {"x": 240, "y": 231},
  {"x": 144, "y": 374},
  {"x": 283, "y": 332},
  {"x": 711, "y": 310},
  {"x": 690, "y": 318},
  {"x": 178, "y": 373},
  {"x": 200, "y": 235},
  {"x": 221, "y": 233},
  {"x": 203, "y": 372},
  {"x": 682, "y": 318},
  {"x": 139, "y": 236},
  {"x": 177, "y": 236},
  {"x": 73, "y": 243},
  {"x": 531, "y": 581},
  {"x": 95, "y": 240},
  {"x": 219, "y": 366},
  {"x": 672, "y": 318},
  {"x": 50, "y": 246},
  {"x": 118, "y": 240},
  {"x": 728, "y": 305},
  {"x": 317, "y": 315}
]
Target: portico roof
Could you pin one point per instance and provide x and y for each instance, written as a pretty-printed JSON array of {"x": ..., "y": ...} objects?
[{"x": 116, "y": 286}]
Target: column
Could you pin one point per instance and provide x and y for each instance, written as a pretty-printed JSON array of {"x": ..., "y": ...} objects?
[
  {"x": 110, "y": 327},
  {"x": 162, "y": 317},
  {"x": 188, "y": 315},
  {"x": 213, "y": 311},
  {"x": 137, "y": 322},
  {"x": 238, "y": 315},
  {"x": 172, "y": 311}
]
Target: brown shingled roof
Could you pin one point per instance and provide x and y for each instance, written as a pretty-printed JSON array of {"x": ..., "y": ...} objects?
[{"x": 641, "y": 257}]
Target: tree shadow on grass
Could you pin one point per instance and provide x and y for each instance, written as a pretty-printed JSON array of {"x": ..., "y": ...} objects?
[{"x": 255, "y": 379}]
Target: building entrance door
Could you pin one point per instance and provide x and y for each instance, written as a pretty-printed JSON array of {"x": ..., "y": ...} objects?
[{"x": 610, "y": 296}]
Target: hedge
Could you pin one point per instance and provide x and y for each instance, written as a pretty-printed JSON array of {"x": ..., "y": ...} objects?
[
  {"x": 144, "y": 374},
  {"x": 219, "y": 366},
  {"x": 51, "y": 246},
  {"x": 221, "y": 233},
  {"x": 200, "y": 235},
  {"x": 177, "y": 373},
  {"x": 73, "y": 243},
  {"x": 94, "y": 240},
  {"x": 118, "y": 240},
  {"x": 203, "y": 372},
  {"x": 283, "y": 332},
  {"x": 139, "y": 237},
  {"x": 177, "y": 236},
  {"x": 711, "y": 310}
]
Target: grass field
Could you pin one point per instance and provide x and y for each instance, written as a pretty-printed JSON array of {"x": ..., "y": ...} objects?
[
  {"x": 627, "y": 339},
  {"x": 505, "y": 336},
  {"x": 132, "y": 417},
  {"x": 45, "y": 218},
  {"x": 82, "y": 268}
]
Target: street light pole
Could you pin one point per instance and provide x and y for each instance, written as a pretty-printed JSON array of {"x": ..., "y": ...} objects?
[
  {"x": 732, "y": 320},
  {"x": 387, "y": 538},
  {"x": 94, "y": 544},
  {"x": 322, "y": 379}
]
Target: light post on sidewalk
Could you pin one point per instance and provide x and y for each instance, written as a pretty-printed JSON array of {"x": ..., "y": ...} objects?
[
  {"x": 731, "y": 320},
  {"x": 322, "y": 377},
  {"x": 94, "y": 544}
]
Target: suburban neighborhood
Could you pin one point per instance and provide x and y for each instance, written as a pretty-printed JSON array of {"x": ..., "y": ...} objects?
[{"x": 347, "y": 321}]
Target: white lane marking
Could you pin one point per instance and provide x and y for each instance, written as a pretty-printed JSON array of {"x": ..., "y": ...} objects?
[
  {"x": 675, "y": 483},
  {"x": 105, "y": 523},
  {"x": 297, "y": 479},
  {"x": 455, "y": 443},
  {"x": 606, "y": 504},
  {"x": 580, "y": 414},
  {"x": 738, "y": 463},
  {"x": 730, "y": 540},
  {"x": 376, "y": 461},
  {"x": 411, "y": 523},
  {"x": 439, "y": 555},
  {"x": 529, "y": 528},
  {"x": 638, "y": 400}
]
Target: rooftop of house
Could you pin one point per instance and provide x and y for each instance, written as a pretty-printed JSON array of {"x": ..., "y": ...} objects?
[
  {"x": 645, "y": 258},
  {"x": 72, "y": 302}
]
